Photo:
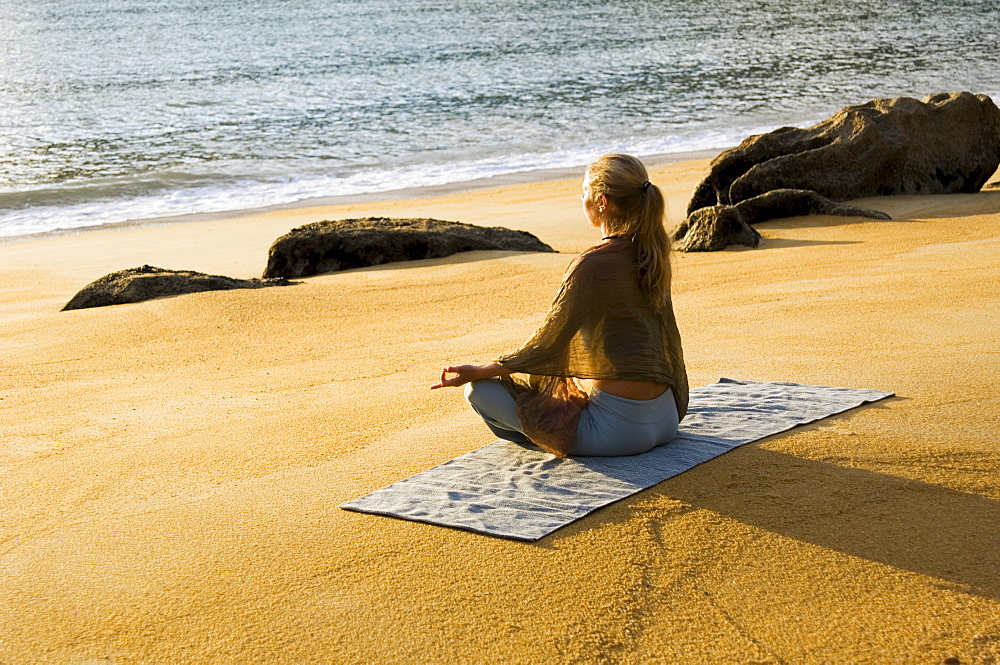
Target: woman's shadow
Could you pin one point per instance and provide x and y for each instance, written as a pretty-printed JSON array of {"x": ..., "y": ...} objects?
[{"x": 908, "y": 524}]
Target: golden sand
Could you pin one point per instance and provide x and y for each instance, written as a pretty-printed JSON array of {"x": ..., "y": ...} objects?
[{"x": 171, "y": 470}]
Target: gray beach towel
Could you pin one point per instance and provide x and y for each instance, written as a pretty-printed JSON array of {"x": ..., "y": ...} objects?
[{"x": 521, "y": 492}]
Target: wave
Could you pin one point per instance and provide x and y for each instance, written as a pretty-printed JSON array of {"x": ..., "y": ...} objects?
[{"x": 115, "y": 200}]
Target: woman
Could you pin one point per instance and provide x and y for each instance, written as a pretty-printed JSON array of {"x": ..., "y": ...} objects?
[{"x": 611, "y": 330}]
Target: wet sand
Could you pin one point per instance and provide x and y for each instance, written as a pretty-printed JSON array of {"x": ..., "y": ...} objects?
[{"x": 171, "y": 470}]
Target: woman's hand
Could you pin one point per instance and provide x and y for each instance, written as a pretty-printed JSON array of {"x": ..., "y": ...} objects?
[{"x": 466, "y": 373}]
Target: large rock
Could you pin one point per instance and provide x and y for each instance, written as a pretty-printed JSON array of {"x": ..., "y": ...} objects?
[
  {"x": 329, "y": 246},
  {"x": 147, "y": 282},
  {"x": 944, "y": 144}
]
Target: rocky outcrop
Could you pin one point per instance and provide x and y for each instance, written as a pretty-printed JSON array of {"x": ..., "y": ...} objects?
[
  {"x": 716, "y": 227},
  {"x": 944, "y": 144},
  {"x": 148, "y": 282},
  {"x": 329, "y": 246}
]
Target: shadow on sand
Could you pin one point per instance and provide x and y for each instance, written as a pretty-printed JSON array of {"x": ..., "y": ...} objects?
[{"x": 907, "y": 524}]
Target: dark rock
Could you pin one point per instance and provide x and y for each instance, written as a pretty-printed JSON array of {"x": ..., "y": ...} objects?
[
  {"x": 712, "y": 228},
  {"x": 715, "y": 227},
  {"x": 148, "y": 282},
  {"x": 329, "y": 246},
  {"x": 944, "y": 144}
]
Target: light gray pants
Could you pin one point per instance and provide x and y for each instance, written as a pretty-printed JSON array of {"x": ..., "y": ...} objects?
[{"x": 609, "y": 425}]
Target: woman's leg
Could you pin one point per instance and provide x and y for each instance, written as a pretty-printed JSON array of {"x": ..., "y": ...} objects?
[{"x": 497, "y": 408}]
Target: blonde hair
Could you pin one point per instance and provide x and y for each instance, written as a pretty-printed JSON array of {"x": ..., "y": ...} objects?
[{"x": 637, "y": 209}]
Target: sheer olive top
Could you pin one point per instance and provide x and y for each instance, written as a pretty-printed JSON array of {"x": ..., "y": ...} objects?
[{"x": 601, "y": 326}]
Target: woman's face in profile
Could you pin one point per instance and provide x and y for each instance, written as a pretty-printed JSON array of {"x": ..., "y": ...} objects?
[{"x": 591, "y": 208}]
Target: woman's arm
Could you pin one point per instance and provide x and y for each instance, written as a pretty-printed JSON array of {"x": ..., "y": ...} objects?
[{"x": 466, "y": 373}]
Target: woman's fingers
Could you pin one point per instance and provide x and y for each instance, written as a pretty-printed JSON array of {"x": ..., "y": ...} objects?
[
  {"x": 463, "y": 374},
  {"x": 445, "y": 381}
]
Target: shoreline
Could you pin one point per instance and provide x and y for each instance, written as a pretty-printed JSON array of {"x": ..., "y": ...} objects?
[{"x": 407, "y": 193}]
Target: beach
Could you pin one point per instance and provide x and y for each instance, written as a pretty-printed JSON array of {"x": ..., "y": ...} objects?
[{"x": 172, "y": 469}]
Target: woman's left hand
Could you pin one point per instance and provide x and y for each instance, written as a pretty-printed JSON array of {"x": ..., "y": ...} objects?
[{"x": 466, "y": 373}]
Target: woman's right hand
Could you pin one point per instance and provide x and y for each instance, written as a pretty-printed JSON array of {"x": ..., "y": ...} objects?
[{"x": 466, "y": 373}]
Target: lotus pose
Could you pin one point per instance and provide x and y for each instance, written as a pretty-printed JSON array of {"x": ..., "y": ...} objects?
[{"x": 604, "y": 374}]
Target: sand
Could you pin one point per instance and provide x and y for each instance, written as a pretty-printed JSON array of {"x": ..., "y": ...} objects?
[{"x": 171, "y": 470}]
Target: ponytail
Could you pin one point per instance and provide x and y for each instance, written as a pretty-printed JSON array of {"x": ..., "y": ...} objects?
[{"x": 639, "y": 210}]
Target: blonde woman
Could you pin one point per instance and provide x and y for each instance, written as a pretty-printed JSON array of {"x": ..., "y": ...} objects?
[{"x": 604, "y": 374}]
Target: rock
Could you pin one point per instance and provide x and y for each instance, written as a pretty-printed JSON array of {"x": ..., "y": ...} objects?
[
  {"x": 329, "y": 246},
  {"x": 713, "y": 228},
  {"x": 147, "y": 282},
  {"x": 944, "y": 144}
]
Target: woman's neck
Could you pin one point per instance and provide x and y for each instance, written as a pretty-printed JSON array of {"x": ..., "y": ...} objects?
[{"x": 611, "y": 230}]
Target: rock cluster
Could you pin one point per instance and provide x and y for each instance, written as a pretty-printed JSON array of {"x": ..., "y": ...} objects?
[
  {"x": 943, "y": 144},
  {"x": 312, "y": 249},
  {"x": 329, "y": 246},
  {"x": 147, "y": 282}
]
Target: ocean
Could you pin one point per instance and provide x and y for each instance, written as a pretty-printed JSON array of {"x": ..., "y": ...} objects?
[{"x": 115, "y": 110}]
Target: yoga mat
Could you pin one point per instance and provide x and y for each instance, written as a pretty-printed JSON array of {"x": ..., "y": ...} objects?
[{"x": 521, "y": 492}]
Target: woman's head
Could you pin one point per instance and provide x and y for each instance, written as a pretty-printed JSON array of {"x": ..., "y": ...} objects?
[
  {"x": 620, "y": 180},
  {"x": 634, "y": 207}
]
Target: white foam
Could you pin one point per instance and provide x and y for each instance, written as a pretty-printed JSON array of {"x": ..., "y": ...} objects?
[{"x": 202, "y": 196}]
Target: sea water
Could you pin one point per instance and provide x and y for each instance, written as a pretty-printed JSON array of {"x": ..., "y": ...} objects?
[{"x": 113, "y": 110}]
